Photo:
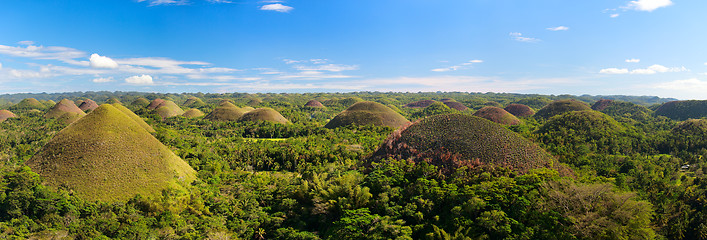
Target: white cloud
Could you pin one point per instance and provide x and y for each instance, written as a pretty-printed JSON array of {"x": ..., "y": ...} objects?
[
  {"x": 647, "y": 5},
  {"x": 276, "y": 7},
  {"x": 102, "y": 80},
  {"x": 140, "y": 80},
  {"x": 633, "y": 60},
  {"x": 98, "y": 61},
  {"x": 519, "y": 37},
  {"x": 614, "y": 71},
  {"x": 614, "y": 15},
  {"x": 653, "y": 69},
  {"x": 0, "y": 66},
  {"x": 457, "y": 67},
  {"x": 328, "y": 67},
  {"x": 165, "y": 2},
  {"x": 688, "y": 85},
  {"x": 25, "y": 43},
  {"x": 559, "y": 28},
  {"x": 41, "y": 52}
]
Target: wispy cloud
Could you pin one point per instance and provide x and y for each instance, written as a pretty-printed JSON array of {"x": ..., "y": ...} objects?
[
  {"x": 102, "y": 80},
  {"x": 633, "y": 60},
  {"x": 457, "y": 67},
  {"x": 558, "y": 28},
  {"x": 519, "y": 37},
  {"x": 276, "y": 7},
  {"x": 653, "y": 69},
  {"x": 165, "y": 2},
  {"x": 647, "y": 5}
]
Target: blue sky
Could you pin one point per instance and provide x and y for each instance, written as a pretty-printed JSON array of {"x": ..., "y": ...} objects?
[{"x": 642, "y": 47}]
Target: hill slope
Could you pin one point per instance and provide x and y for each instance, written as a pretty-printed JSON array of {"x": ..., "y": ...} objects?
[
  {"x": 455, "y": 140},
  {"x": 368, "y": 113},
  {"x": 107, "y": 156}
]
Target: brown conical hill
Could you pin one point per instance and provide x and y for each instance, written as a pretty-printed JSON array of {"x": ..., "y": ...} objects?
[
  {"x": 168, "y": 109},
  {"x": 420, "y": 104},
  {"x": 134, "y": 117},
  {"x": 314, "y": 104},
  {"x": 155, "y": 104},
  {"x": 263, "y": 114},
  {"x": 560, "y": 107},
  {"x": 497, "y": 115},
  {"x": 88, "y": 104},
  {"x": 368, "y": 113},
  {"x": 140, "y": 102},
  {"x": 27, "y": 104},
  {"x": 78, "y": 102},
  {"x": 602, "y": 104},
  {"x": 63, "y": 106},
  {"x": 455, "y": 105},
  {"x": 454, "y": 140},
  {"x": 192, "y": 113},
  {"x": 226, "y": 112},
  {"x": 5, "y": 114},
  {"x": 519, "y": 110},
  {"x": 107, "y": 156}
]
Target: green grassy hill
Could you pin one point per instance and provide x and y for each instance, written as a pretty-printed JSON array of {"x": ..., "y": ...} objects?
[
  {"x": 66, "y": 110},
  {"x": 192, "y": 113},
  {"x": 28, "y": 104},
  {"x": 134, "y": 117},
  {"x": 560, "y": 107},
  {"x": 683, "y": 110},
  {"x": 140, "y": 102},
  {"x": 108, "y": 156},
  {"x": 168, "y": 109},
  {"x": 368, "y": 113}
]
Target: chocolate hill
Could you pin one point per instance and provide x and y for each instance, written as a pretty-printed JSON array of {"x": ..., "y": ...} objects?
[
  {"x": 88, "y": 104},
  {"x": 155, "y": 104},
  {"x": 454, "y": 140},
  {"x": 107, "y": 156},
  {"x": 560, "y": 107},
  {"x": 314, "y": 104},
  {"x": 602, "y": 104},
  {"x": 683, "y": 110},
  {"x": 134, "y": 117},
  {"x": 455, "y": 105},
  {"x": 192, "y": 113},
  {"x": 226, "y": 112},
  {"x": 27, "y": 104},
  {"x": 5, "y": 114},
  {"x": 140, "y": 102},
  {"x": 194, "y": 102},
  {"x": 263, "y": 114},
  {"x": 168, "y": 109},
  {"x": 519, "y": 110},
  {"x": 66, "y": 111},
  {"x": 497, "y": 115},
  {"x": 368, "y": 113},
  {"x": 420, "y": 104}
]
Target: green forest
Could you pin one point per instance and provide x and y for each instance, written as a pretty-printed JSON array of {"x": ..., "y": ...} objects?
[{"x": 362, "y": 165}]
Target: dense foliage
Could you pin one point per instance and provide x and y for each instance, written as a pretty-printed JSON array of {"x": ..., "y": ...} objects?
[{"x": 635, "y": 175}]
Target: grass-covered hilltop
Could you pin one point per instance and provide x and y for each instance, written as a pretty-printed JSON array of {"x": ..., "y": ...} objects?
[{"x": 363, "y": 165}]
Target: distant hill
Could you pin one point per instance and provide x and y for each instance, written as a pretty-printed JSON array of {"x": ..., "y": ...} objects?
[
  {"x": 192, "y": 113},
  {"x": 226, "y": 112},
  {"x": 107, "y": 156},
  {"x": 519, "y": 110},
  {"x": 561, "y": 106},
  {"x": 683, "y": 110},
  {"x": 263, "y": 114},
  {"x": 420, "y": 104},
  {"x": 454, "y": 140},
  {"x": 5, "y": 114},
  {"x": 368, "y": 113},
  {"x": 497, "y": 115}
]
